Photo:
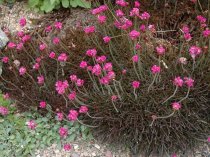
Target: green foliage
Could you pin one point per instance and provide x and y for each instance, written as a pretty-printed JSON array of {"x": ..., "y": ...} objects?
[
  {"x": 16, "y": 139},
  {"x": 49, "y": 5}
]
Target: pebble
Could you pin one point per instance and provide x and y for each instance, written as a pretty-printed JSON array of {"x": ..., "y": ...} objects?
[
  {"x": 75, "y": 155},
  {"x": 97, "y": 146},
  {"x": 3, "y": 39},
  {"x": 76, "y": 146}
]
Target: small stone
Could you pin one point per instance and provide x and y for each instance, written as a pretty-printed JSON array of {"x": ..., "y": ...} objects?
[
  {"x": 3, "y": 39},
  {"x": 108, "y": 154},
  {"x": 75, "y": 155},
  {"x": 56, "y": 151},
  {"x": 93, "y": 154},
  {"x": 76, "y": 146},
  {"x": 97, "y": 146}
]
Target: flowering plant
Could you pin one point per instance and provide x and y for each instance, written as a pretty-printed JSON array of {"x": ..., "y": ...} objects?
[{"x": 118, "y": 78}]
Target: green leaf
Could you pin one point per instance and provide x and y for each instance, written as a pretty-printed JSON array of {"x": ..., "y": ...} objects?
[
  {"x": 65, "y": 3},
  {"x": 47, "y": 7},
  {"x": 33, "y": 3},
  {"x": 81, "y": 3}
]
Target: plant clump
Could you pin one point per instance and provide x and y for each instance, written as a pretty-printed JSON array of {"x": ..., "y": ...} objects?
[{"x": 119, "y": 78}]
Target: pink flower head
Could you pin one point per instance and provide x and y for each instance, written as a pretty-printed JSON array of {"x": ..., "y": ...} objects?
[
  {"x": 96, "y": 70},
  {"x": 106, "y": 39},
  {"x": 91, "y": 52},
  {"x": 83, "y": 109},
  {"x": 3, "y": 110},
  {"x": 89, "y": 68},
  {"x": 56, "y": 40},
  {"x": 52, "y": 55},
  {"x": 111, "y": 75},
  {"x": 155, "y": 69},
  {"x": 40, "y": 79},
  {"x": 83, "y": 64},
  {"x": 22, "y": 70},
  {"x": 189, "y": 81},
  {"x": 25, "y": 38},
  {"x": 99, "y": 10},
  {"x": 185, "y": 29},
  {"x": 137, "y": 4},
  {"x": 89, "y": 29},
  {"x": 63, "y": 132},
  {"x": 6, "y": 96},
  {"x": 11, "y": 45},
  {"x": 19, "y": 46},
  {"x": 114, "y": 97},
  {"x": 122, "y": 3},
  {"x": 73, "y": 114},
  {"x": 183, "y": 60},
  {"x": 194, "y": 1},
  {"x": 22, "y": 22},
  {"x": 42, "y": 104},
  {"x": 58, "y": 25},
  {"x": 73, "y": 78},
  {"x": 137, "y": 46},
  {"x": 194, "y": 51},
  {"x": 108, "y": 67},
  {"x": 178, "y": 81},
  {"x": 119, "y": 13},
  {"x": 208, "y": 139},
  {"x": 174, "y": 155},
  {"x": 72, "y": 95},
  {"x": 31, "y": 124},
  {"x": 20, "y": 33},
  {"x": 101, "y": 59},
  {"x": 135, "y": 58},
  {"x": 135, "y": 84},
  {"x": 104, "y": 80},
  {"x": 152, "y": 28},
  {"x": 134, "y": 12},
  {"x": 142, "y": 28},
  {"x": 201, "y": 19},
  {"x": 60, "y": 116},
  {"x": 101, "y": 19},
  {"x": 176, "y": 106},
  {"x": 42, "y": 46},
  {"x": 61, "y": 86},
  {"x": 124, "y": 71},
  {"x": 38, "y": 59},
  {"x": 36, "y": 66},
  {"x": 80, "y": 82},
  {"x": 187, "y": 36},
  {"x": 5, "y": 59},
  {"x": 48, "y": 29},
  {"x": 145, "y": 16},
  {"x": 160, "y": 50},
  {"x": 206, "y": 33},
  {"x": 62, "y": 57},
  {"x": 67, "y": 147},
  {"x": 134, "y": 34}
]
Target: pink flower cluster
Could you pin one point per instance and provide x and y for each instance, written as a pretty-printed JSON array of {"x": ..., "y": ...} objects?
[
  {"x": 195, "y": 51},
  {"x": 186, "y": 30},
  {"x": 61, "y": 86},
  {"x": 3, "y": 110},
  {"x": 63, "y": 132},
  {"x": 179, "y": 82},
  {"x": 31, "y": 124}
]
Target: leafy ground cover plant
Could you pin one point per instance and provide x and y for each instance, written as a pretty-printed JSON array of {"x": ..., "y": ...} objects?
[
  {"x": 22, "y": 134},
  {"x": 118, "y": 77},
  {"x": 49, "y": 5}
]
